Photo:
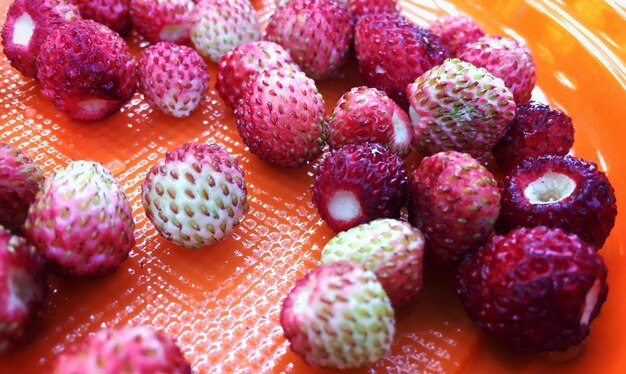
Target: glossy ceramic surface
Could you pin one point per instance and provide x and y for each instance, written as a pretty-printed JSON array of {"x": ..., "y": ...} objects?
[{"x": 222, "y": 303}]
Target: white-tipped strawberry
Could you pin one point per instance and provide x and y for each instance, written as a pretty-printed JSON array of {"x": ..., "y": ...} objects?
[
  {"x": 281, "y": 118},
  {"x": 338, "y": 316},
  {"x": 368, "y": 115},
  {"x": 507, "y": 59},
  {"x": 455, "y": 31},
  {"x": 196, "y": 195},
  {"x": 457, "y": 106},
  {"x": 392, "y": 249},
  {"x": 162, "y": 20},
  {"x": 114, "y": 14},
  {"x": 317, "y": 34},
  {"x": 28, "y": 23},
  {"x": 455, "y": 201},
  {"x": 81, "y": 222},
  {"x": 239, "y": 66},
  {"x": 173, "y": 78},
  {"x": 220, "y": 25}
]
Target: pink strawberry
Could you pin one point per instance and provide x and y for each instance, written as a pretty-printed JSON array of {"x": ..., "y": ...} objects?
[
  {"x": 455, "y": 201},
  {"x": 28, "y": 23},
  {"x": 538, "y": 289},
  {"x": 20, "y": 180},
  {"x": 392, "y": 249},
  {"x": 23, "y": 289},
  {"x": 559, "y": 191},
  {"x": 392, "y": 52},
  {"x": 281, "y": 118},
  {"x": 140, "y": 350},
  {"x": 457, "y": 106},
  {"x": 338, "y": 316},
  {"x": 367, "y": 115},
  {"x": 220, "y": 25},
  {"x": 86, "y": 70},
  {"x": 162, "y": 21},
  {"x": 360, "y": 8},
  {"x": 455, "y": 31},
  {"x": 114, "y": 14},
  {"x": 81, "y": 222},
  {"x": 506, "y": 59},
  {"x": 239, "y": 66},
  {"x": 359, "y": 183},
  {"x": 173, "y": 78},
  {"x": 317, "y": 34},
  {"x": 537, "y": 130}
]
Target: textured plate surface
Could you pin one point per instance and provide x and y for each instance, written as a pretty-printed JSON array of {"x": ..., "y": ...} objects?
[{"x": 222, "y": 302}]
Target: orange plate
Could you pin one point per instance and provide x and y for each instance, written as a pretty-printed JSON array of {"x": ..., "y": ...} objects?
[{"x": 222, "y": 303}]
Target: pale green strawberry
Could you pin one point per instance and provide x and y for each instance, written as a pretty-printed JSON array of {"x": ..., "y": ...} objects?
[
  {"x": 392, "y": 249},
  {"x": 196, "y": 195}
]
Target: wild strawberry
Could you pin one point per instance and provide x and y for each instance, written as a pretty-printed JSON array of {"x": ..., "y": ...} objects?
[
  {"x": 114, "y": 14},
  {"x": 127, "y": 350},
  {"x": 457, "y": 106},
  {"x": 559, "y": 191},
  {"x": 392, "y": 52},
  {"x": 220, "y": 25},
  {"x": 281, "y": 118},
  {"x": 538, "y": 289},
  {"x": 537, "y": 130},
  {"x": 162, "y": 20},
  {"x": 28, "y": 23},
  {"x": 317, "y": 34},
  {"x": 239, "y": 66},
  {"x": 23, "y": 289},
  {"x": 359, "y": 183},
  {"x": 338, "y": 316},
  {"x": 455, "y": 31},
  {"x": 86, "y": 70},
  {"x": 196, "y": 195},
  {"x": 392, "y": 249},
  {"x": 455, "y": 202},
  {"x": 367, "y": 115},
  {"x": 81, "y": 222},
  {"x": 360, "y": 8},
  {"x": 173, "y": 78},
  {"x": 505, "y": 58},
  {"x": 20, "y": 180}
]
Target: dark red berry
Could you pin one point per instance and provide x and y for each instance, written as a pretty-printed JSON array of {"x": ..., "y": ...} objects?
[{"x": 537, "y": 289}]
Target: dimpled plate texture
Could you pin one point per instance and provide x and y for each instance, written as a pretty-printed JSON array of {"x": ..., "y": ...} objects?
[{"x": 222, "y": 303}]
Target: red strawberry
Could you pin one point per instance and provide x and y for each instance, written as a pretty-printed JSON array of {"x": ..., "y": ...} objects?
[
  {"x": 392, "y": 249},
  {"x": 506, "y": 59},
  {"x": 220, "y": 25},
  {"x": 537, "y": 130},
  {"x": 23, "y": 289},
  {"x": 86, "y": 70},
  {"x": 359, "y": 183},
  {"x": 457, "y": 106},
  {"x": 281, "y": 118},
  {"x": 162, "y": 21},
  {"x": 28, "y": 23},
  {"x": 239, "y": 66},
  {"x": 338, "y": 316},
  {"x": 139, "y": 350},
  {"x": 367, "y": 115},
  {"x": 317, "y": 34},
  {"x": 455, "y": 31},
  {"x": 537, "y": 289},
  {"x": 455, "y": 201},
  {"x": 392, "y": 52},
  {"x": 20, "y": 180},
  {"x": 559, "y": 191},
  {"x": 81, "y": 222},
  {"x": 173, "y": 78},
  {"x": 360, "y": 8},
  {"x": 114, "y": 14}
]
